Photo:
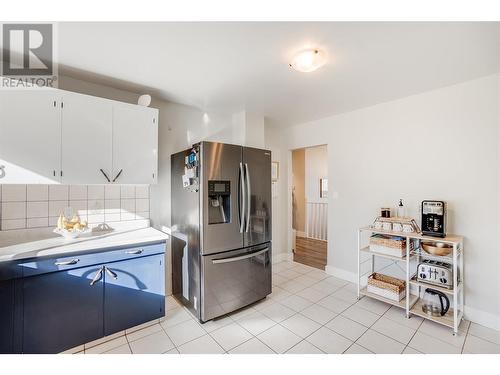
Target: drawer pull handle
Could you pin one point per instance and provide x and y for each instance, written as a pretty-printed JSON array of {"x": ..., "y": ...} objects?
[
  {"x": 97, "y": 277},
  {"x": 241, "y": 257},
  {"x": 67, "y": 262},
  {"x": 111, "y": 273},
  {"x": 138, "y": 251}
]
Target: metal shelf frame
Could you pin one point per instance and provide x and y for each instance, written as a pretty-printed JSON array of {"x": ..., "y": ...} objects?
[{"x": 412, "y": 302}]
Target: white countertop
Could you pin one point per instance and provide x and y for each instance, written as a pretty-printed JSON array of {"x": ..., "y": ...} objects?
[{"x": 23, "y": 244}]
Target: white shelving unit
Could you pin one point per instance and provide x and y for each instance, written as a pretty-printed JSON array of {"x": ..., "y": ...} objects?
[{"x": 412, "y": 303}]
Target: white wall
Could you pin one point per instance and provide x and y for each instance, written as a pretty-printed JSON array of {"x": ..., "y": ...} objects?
[
  {"x": 316, "y": 161},
  {"x": 90, "y": 88},
  {"x": 443, "y": 144},
  {"x": 275, "y": 142}
]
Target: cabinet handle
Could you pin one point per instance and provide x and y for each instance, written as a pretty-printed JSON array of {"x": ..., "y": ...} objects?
[
  {"x": 138, "y": 251},
  {"x": 67, "y": 262},
  {"x": 118, "y": 175},
  {"x": 111, "y": 273},
  {"x": 105, "y": 175},
  {"x": 97, "y": 276}
]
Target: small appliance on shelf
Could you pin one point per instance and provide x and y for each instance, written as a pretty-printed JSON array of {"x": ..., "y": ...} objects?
[
  {"x": 436, "y": 273},
  {"x": 435, "y": 303},
  {"x": 434, "y": 218}
]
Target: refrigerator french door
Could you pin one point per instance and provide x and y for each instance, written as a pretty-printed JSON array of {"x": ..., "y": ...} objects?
[
  {"x": 257, "y": 165},
  {"x": 247, "y": 173},
  {"x": 220, "y": 165},
  {"x": 221, "y": 246}
]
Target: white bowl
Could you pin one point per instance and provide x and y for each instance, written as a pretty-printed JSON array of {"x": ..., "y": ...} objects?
[{"x": 70, "y": 235}]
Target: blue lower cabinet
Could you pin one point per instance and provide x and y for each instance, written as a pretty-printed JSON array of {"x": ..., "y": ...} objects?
[
  {"x": 51, "y": 305},
  {"x": 7, "y": 310},
  {"x": 134, "y": 292},
  {"x": 62, "y": 309}
]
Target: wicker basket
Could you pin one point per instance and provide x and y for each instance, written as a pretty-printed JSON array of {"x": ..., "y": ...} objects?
[
  {"x": 389, "y": 245},
  {"x": 386, "y": 286}
]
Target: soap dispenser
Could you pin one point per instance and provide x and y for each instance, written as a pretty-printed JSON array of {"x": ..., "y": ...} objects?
[{"x": 401, "y": 209}]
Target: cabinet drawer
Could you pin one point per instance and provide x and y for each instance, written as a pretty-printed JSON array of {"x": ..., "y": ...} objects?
[{"x": 76, "y": 260}]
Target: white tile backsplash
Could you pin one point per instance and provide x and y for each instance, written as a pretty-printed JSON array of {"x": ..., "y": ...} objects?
[
  {"x": 58, "y": 192},
  {"x": 112, "y": 192},
  {"x": 96, "y": 206},
  {"x": 56, "y": 208},
  {"x": 14, "y": 193},
  {"x": 112, "y": 206},
  {"x": 38, "y": 193},
  {"x": 80, "y": 206},
  {"x": 142, "y": 191},
  {"x": 78, "y": 192},
  {"x": 37, "y": 209},
  {"x": 35, "y": 206},
  {"x": 13, "y": 224},
  {"x": 39, "y": 222},
  {"x": 141, "y": 205},
  {"x": 127, "y": 192},
  {"x": 128, "y": 206},
  {"x": 95, "y": 192},
  {"x": 13, "y": 210}
]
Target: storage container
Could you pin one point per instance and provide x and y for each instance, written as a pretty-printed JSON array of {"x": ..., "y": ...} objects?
[
  {"x": 389, "y": 245},
  {"x": 386, "y": 286}
]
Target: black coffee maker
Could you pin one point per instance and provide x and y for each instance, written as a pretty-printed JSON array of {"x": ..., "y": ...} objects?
[{"x": 434, "y": 218}]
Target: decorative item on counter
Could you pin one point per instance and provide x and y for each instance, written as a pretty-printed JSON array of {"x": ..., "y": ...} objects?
[
  {"x": 69, "y": 224},
  {"x": 396, "y": 224},
  {"x": 385, "y": 212}
]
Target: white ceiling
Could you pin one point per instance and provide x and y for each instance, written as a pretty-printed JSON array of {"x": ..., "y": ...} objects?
[{"x": 228, "y": 67}]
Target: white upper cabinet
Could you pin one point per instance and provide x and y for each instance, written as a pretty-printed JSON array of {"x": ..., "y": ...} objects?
[
  {"x": 135, "y": 144},
  {"x": 86, "y": 139},
  {"x": 55, "y": 136},
  {"x": 30, "y": 136}
]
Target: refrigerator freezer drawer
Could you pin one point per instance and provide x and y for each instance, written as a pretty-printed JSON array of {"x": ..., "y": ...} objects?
[{"x": 234, "y": 279}]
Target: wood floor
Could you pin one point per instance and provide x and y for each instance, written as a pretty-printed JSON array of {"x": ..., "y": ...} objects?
[{"x": 310, "y": 252}]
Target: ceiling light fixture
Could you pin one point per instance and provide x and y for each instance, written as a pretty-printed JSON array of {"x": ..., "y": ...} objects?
[{"x": 308, "y": 60}]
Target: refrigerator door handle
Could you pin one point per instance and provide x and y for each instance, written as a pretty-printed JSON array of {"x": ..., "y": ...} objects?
[
  {"x": 241, "y": 257},
  {"x": 249, "y": 196},
  {"x": 241, "y": 199}
]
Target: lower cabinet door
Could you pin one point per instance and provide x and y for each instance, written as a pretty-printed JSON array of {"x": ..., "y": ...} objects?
[
  {"x": 134, "y": 292},
  {"x": 7, "y": 305},
  {"x": 63, "y": 309}
]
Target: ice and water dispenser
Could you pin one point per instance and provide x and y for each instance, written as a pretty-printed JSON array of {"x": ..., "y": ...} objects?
[{"x": 219, "y": 202}]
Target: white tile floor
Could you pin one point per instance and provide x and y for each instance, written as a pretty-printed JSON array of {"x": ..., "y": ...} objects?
[{"x": 308, "y": 312}]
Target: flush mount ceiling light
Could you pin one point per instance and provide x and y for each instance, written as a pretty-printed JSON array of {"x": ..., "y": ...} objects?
[{"x": 308, "y": 60}]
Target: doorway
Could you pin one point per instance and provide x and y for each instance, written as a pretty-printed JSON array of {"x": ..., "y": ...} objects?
[{"x": 310, "y": 206}]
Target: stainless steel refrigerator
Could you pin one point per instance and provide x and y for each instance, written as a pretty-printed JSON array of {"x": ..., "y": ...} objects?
[{"x": 221, "y": 227}]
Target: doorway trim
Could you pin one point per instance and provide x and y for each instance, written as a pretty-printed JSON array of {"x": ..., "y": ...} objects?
[{"x": 290, "y": 230}]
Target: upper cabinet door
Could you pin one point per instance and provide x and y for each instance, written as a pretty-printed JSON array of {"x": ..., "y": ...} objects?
[
  {"x": 135, "y": 144},
  {"x": 86, "y": 139},
  {"x": 30, "y": 136}
]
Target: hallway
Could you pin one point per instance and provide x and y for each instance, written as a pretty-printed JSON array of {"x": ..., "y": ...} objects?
[{"x": 310, "y": 252}]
